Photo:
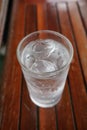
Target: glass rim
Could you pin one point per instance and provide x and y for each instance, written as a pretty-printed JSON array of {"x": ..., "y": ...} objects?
[{"x": 52, "y": 72}]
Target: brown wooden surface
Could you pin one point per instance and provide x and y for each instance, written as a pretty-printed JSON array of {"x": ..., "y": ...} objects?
[
  {"x": 76, "y": 83},
  {"x": 83, "y": 10},
  {"x": 48, "y": 120},
  {"x": 19, "y": 112},
  {"x": 29, "y": 110},
  {"x": 3, "y": 14}
]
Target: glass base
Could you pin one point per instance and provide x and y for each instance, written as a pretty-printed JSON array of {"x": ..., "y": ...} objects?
[{"x": 44, "y": 104}]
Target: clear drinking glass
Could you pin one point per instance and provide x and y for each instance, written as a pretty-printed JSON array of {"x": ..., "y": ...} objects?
[{"x": 45, "y": 57}]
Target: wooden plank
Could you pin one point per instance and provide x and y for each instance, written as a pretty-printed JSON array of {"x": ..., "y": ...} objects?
[
  {"x": 41, "y": 17},
  {"x": 80, "y": 36},
  {"x": 47, "y": 119},
  {"x": 83, "y": 9},
  {"x": 29, "y": 109},
  {"x": 45, "y": 123},
  {"x": 64, "y": 111},
  {"x": 30, "y": 19},
  {"x": 78, "y": 93},
  {"x": 3, "y": 14},
  {"x": 63, "y": 108},
  {"x": 12, "y": 72},
  {"x": 52, "y": 17}
]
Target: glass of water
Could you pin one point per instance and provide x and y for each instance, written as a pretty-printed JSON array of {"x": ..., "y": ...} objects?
[{"x": 45, "y": 57}]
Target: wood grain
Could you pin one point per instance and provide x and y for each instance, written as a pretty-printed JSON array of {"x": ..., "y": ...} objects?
[
  {"x": 63, "y": 108},
  {"x": 64, "y": 111},
  {"x": 19, "y": 112},
  {"x": 3, "y": 13},
  {"x": 28, "y": 108},
  {"x": 80, "y": 36},
  {"x": 52, "y": 17},
  {"x": 41, "y": 17},
  {"x": 28, "y": 112},
  {"x": 83, "y": 10},
  {"x": 12, "y": 72},
  {"x": 47, "y": 117},
  {"x": 78, "y": 93}
]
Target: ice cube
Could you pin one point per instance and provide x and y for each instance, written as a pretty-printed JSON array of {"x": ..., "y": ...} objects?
[
  {"x": 42, "y": 48},
  {"x": 62, "y": 57},
  {"x": 29, "y": 61},
  {"x": 41, "y": 66}
]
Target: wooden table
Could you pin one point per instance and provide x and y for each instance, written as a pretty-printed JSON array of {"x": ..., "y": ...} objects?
[
  {"x": 3, "y": 14},
  {"x": 18, "y": 111}
]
